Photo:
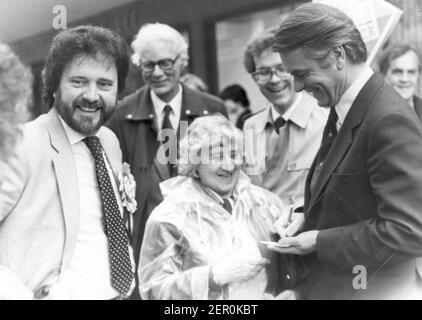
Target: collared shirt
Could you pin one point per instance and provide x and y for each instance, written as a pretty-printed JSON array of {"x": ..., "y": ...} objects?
[
  {"x": 88, "y": 276},
  {"x": 280, "y": 162},
  {"x": 346, "y": 101},
  {"x": 288, "y": 113},
  {"x": 175, "y": 104},
  {"x": 214, "y": 195}
]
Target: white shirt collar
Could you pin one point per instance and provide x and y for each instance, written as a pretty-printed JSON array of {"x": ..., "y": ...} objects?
[
  {"x": 73, "y": 136},
  {"x": 289, "y": 112},
  {"x": 175, "y": 103},
  {"x": 346, "y": 101}
]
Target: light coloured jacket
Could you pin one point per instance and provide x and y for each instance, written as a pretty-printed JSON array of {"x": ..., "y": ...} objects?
[
  {"x": 190, "y": 230},
  {"x": 39, "y": 204}
]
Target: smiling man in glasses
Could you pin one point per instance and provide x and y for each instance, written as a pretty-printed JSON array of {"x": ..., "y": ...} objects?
[
  {"x": 289, "y": 128},
  {"x": 163, "y": 103}
]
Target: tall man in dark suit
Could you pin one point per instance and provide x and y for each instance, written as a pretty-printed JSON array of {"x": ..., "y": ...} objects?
[
  {"x": 400, "y": 65},
  {"x": 164, "y": 103},
  {"x": 363, "y": 197}
]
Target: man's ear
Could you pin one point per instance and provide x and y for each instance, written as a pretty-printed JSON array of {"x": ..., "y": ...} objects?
[
  {"x": 185, "y": 60},
  {"x": 340, "y": 57}
]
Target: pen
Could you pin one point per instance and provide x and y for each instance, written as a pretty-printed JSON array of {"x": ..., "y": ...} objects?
[{"x": 291, "y": 210}]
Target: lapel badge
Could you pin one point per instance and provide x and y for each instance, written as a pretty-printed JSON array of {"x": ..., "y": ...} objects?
[
  {"x": 129, "y": 116},
  {"x": 151, "y": 116},
  {"x": 187, "y": 112},
  {"x": 205, "y": 112}
]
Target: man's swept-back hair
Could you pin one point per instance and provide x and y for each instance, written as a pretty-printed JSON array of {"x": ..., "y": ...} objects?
[
  {"x": 318, "y": 29},
  {"x": 97, "y": 42},
  {"x": 393, "y": 52}
]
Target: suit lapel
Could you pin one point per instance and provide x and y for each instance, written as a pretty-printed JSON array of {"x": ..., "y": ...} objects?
[
  {"x": 308, "y": 183},
  {"x": 345, "y": 136},
  {"x": 67, "y": 182},
  {"x": 336, "y": 153},
  {"x": 417, "y": 103},
  {"x": 191, "y": 107},
  {"x": 111, "y": 152}
]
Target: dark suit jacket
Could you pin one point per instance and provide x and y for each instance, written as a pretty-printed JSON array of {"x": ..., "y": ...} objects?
[
  {"x": 133, "y": 123},
  {"x": 417, "y": 103},
  {"x": 367, "y": 201}
]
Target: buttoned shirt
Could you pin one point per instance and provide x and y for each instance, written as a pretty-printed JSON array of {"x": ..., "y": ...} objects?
[
  {"x": 280, "y": 162},
  {"x": 175, "y": 104},
  {"x": 88, "y": 276}
]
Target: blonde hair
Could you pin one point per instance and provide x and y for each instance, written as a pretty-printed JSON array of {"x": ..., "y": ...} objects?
[{"x": 202, "y": 133}]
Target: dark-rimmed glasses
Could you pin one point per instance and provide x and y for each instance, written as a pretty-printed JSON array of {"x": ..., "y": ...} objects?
[
  {"x": 164, "y": 64},
  {"x": 264, "y": 75}
]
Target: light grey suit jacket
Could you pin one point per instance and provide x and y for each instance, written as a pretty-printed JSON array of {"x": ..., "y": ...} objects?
[{"x": 39, "y": 202}]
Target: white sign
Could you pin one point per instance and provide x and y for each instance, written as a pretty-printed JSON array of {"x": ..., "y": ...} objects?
[{"x": 375, "y": 20}]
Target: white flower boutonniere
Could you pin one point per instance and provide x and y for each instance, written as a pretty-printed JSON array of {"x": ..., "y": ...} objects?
[{"x": 127, "y": 188}]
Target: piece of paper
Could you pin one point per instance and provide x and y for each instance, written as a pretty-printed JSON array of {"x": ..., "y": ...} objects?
[
  {"x": 375, "y": 20},
  {"x": 275, "y": 244}
]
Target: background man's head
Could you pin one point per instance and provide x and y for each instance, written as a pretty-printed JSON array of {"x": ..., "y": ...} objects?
[
  {"x": 15, "y": 92},
  {"x": 235, "y": 98},
  {"x": 161, "y": 53},
  {"x": 267, "y": 69},
  {"x": 194, "y": 82},
  {"x": 400, "y": 65},
  {"x": 84, "y": 72},
  {"x": 319, "y": 45}
]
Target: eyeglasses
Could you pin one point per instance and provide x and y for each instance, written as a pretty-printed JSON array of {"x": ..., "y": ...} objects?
[
  {"x": 264, "y": 75},
  {"x": 164, "y": 64}
]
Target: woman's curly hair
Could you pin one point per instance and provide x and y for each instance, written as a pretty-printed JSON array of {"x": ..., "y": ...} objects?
[{"x": 204, "y": 132}]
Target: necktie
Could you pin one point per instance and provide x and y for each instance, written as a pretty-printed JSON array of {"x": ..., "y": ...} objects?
[
  {"x": 328, "y": 138},
  {"x": 120, "y": 265},
  {"x": 278, "y": 123},
  {"x": 330, "y": 134},
  {"x": 167, "y": 125},
  {"x": 166, "y": 120},
  {"x": 227, "y": 205}
]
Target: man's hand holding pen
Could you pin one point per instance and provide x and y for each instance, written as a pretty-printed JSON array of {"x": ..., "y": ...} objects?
[{"x": 287, "y": 227}]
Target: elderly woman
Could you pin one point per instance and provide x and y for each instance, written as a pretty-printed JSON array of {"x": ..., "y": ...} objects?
[
  {"x": 15, "y": 90},
  {"x": 203, "y": 240}
]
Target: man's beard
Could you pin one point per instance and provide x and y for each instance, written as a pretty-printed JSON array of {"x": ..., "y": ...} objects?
[{"x": 85, "y": 125}]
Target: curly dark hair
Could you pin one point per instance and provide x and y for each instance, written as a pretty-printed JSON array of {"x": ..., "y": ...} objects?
[{"x": 88, "y": 40}]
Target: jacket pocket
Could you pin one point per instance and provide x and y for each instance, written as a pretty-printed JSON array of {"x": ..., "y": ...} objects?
[{"x": 347, "y": 178}]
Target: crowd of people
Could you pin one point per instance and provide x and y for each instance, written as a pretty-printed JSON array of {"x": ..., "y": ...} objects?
[{"x": 174, "y": 193}]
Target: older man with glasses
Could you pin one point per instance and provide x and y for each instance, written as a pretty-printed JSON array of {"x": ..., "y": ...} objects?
[
  {"x": 150, "y": 122},
  {"x": 289, "y": 128}
]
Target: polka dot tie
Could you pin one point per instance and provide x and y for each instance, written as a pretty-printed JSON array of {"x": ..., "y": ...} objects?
[{"x": 120, "y": 265}]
